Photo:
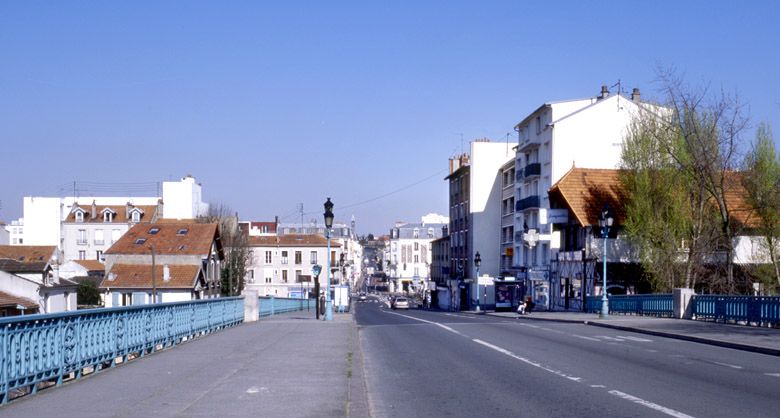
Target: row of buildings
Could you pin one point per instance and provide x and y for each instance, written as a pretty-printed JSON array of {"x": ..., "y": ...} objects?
[
  {"x": 530, "y": 209},
  {"x": 139, "y": 250}
]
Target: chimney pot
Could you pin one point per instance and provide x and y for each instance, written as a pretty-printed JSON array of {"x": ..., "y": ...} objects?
[
  {"x": 604, "y": 92},
  {"x": 636, "y": 96}
]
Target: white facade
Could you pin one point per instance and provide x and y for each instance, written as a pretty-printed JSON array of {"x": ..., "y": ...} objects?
[
  {"x": 278, "y": 267},
  {"x": 43, "y": 216},
  {"x": 5, "y": 235},
  {"x": 485, "y": 198},
  {"x": 584, "y": 133},
  {"x": 183, "y": 199},
  {"x": 410, "y": 253}
]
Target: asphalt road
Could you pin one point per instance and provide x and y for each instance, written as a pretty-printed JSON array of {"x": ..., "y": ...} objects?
[{"x": 430, "y": 363}]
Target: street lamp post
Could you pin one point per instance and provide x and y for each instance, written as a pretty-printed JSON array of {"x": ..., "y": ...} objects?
[
  {"x": 605, "y": 222},
  {"x": 477, "y": 262},
  {"x": 328, "y": 224}
]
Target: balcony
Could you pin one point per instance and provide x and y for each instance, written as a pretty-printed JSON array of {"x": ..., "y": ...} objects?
[
  {"x": 533, "y": 169},
  {"x": 529, "y": 202}
]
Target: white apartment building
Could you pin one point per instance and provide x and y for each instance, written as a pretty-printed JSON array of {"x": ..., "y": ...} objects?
[
  {"x": 12, "y": 234},
  {"x": 89, "y": 231},
  {"x": 281, "y": 265},
  {"x": 45, "y": 217},
  {"x": 586, "y": 133},
  {"x": 410, "y": 253}
]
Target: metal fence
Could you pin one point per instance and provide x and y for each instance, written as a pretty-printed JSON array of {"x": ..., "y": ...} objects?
[
  {"x": 270, "y": 305},
  {"x": 652, "y": 304},
  {"x": 760, "y": 310},
  {"x": 38, "y": 351}
]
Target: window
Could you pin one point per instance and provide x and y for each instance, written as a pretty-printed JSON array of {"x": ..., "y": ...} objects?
[
  {"x": 332, "y": 258},
  {"x": 416, "y": 233},
  {"x": 98, "y": 255},
  {"x": 538, "y": 124},
  {"x": 99, "y": 237},
  {"x": 298, "y": 257},
  {"x": 430, "y": 232},
  {"x": 108, "y": 216},
  {"x": 416, "y": 258},
  {"x": 268, "y": 257},
  {"x": 417, "y": 246},
  {"x": 82, "y": 237},
  {"x": 182, "y": 231},
  {"x": 136, "y": 216},
  {"x": 82, "y": 255},
  {"x": 153, "y": 231},
  {"x": 79, "y": 216},
  {"x": 284, "y": 276},
  {"x": 140, "y": 241},
  {"x": 252, "y": 275},
  {"x": 313, "y": 257},
  {"x": 284, "y": 257},
  {"x": 298, "y": 275}
]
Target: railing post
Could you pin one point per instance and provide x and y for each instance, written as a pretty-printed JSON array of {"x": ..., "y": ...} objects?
[
  {"x": 251, "y": 305},
  {"x": 681, "y": 303}
]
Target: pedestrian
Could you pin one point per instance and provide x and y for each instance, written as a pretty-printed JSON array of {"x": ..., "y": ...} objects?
[{"x": 521, "y": 308}]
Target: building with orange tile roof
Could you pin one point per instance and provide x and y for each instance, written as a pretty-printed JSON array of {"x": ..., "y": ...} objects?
[{"x": 185, "y": 258}]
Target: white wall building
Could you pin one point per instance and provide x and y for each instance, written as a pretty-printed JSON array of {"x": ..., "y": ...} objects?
[
  {"x": 281, "y": 265},
  {"x": 44, "y": 217},
  {"x": 557, "y": 136},
  {"x": 410, "y": 253}
]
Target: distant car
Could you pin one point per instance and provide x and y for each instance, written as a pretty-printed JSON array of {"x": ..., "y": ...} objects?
[
  {"x": 400, "y": 302},
  {"x": 362, "y": 297}
]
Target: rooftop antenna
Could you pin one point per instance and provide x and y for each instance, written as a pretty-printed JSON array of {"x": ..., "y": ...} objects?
[{"x": 300, "y": 210}]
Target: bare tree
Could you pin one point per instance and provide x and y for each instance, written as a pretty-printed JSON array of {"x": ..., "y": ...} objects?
[{"x": 234, "y": 242}]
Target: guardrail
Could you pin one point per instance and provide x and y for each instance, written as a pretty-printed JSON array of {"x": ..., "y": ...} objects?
[
  {"x": 650, "y": 304},
  {"x": 270, "y": 305},
  {"x": 760, "y": 310},
  {"x": 38, "y": 351}
]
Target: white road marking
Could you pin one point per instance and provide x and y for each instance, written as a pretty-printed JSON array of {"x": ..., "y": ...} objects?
[
  {"x": 530, "y": 326},
  {"x": 429, "y": 322},
  {"x": 608, "y": 338},
  {"x": 654, "y": 406},
  {"x": 597, "y": 386},
  {"x": 773, "y": 374},
  {"x": 586, "y": 338},
  {"x": 727, "y": 365},
  {"x": 526, "y": 361},
  {"x": 641, "y": 340}
]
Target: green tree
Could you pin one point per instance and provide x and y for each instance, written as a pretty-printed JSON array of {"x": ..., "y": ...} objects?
[
  {"x": 87, "y": 293},
  {"x": 762, "y": 187}
]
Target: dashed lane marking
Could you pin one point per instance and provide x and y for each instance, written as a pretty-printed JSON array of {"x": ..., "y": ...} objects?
[
  {"x": 773, "y": 374},
  {"x": 637, "y": 339},
  {"x": 586, "y": 338},
  {"x": 651, "y": 405},
  {"x": 733, "y": 366}
]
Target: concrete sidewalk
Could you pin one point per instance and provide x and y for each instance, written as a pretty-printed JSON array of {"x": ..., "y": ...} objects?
[
  {"x": 288, "y": 365},
  {"x": 740, "y": 337}
]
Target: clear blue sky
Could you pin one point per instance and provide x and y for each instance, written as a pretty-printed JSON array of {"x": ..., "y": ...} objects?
[{"x": 274, "y": 104}]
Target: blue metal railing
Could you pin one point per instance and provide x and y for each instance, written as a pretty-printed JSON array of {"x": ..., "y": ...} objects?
[
  {"x": 762, "y": 310},
  {"x": 651, "y": 304},
  {"x": 270, "y": 305},
  {"x": 45, "y": 349}
]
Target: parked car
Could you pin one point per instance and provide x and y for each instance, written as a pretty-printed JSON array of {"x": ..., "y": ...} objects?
[
  {"x": 362, "y": 297},
  {"x": 400, "y": 302}
]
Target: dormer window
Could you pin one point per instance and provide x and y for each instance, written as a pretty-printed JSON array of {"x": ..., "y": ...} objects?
[
  {"x": 107, "y": 217},
  {"x": 140, "y": 241},
  {"x": 154, "y": 230},
  {"x": 136, "y": 216},
  {"x": 79, "y": 216}
]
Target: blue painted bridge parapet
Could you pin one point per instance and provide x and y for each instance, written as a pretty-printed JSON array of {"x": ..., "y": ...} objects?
[{"x": 39, "y": 351}]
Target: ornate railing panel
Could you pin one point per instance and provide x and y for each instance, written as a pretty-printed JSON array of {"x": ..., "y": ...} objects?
[
  {"x": 40, "y": 350},
  {"x": 651, "y": 304},
  {"x": 270, "y": 305},
  {"x": 761, "y": 310}
]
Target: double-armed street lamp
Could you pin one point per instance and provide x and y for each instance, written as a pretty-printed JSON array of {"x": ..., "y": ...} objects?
[
  {"x": 605, "y": 222},
  {"x": 477, "y": 262},
  {"x": 328, "y": 224}
]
